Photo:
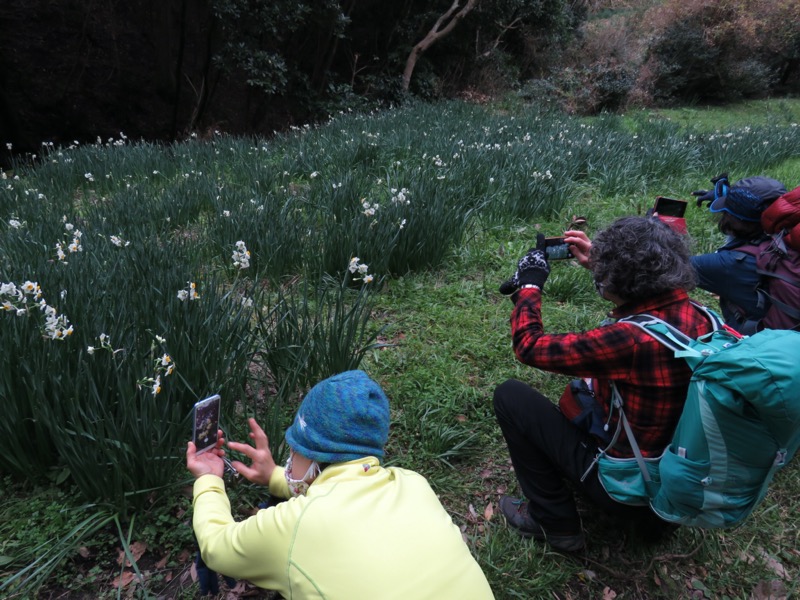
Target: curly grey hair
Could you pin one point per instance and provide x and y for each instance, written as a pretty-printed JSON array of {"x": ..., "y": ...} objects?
[{"x": 639, "y": 257}]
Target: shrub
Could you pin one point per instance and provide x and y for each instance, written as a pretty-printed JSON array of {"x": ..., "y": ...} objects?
[{"x": 718, "y": 51}]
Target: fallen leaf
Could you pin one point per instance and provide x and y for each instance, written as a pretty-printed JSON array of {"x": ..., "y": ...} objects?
[
  {"x": 608, "y": 593},
  {"x": 461, "y": 418},
  {"x": 488, "y": 512},
  {"x": 136, "y": 549},
  {"x": 163, "y": 562},
  {"x": 769, "y": 590},
  {"x": 84, "y": 552},
  {"x": 773, "y": 564},
  {"x": 193, "y": 572},
  {"x": 473, "y": 513},
  {"x": 123, "y": 580},
  {"x": 486, "y": 473}
]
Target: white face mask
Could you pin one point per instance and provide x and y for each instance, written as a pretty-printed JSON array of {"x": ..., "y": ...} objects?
[{"x": 299, "y": 487}]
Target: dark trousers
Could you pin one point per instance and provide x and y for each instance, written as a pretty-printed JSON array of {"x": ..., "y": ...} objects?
[{"x": 547, "y": 450}]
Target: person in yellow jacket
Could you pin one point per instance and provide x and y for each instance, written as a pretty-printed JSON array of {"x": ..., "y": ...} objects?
[{"x": 351, "y": 529}]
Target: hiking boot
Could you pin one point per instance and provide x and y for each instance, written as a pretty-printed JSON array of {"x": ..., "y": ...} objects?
[{"x": 518, "y": 517}]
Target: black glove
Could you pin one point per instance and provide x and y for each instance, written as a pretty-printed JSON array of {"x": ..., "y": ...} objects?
[
  {"x": 709, "y": 195},
  {"x": 532, "y": 269}
]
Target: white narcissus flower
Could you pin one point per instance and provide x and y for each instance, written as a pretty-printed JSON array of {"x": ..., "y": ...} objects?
[
  {"x": 353, "y": 266},
  {"x": 182, "y": 295},
  {"x": 119, "y": 242},
  {"x": 241, "y": 255}
]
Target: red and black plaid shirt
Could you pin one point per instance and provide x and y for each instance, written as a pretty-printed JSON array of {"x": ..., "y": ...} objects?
[{"x": 651, "y": 381}]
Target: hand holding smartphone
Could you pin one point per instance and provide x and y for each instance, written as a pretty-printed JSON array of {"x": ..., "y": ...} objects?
[{"x": 206, "y": 423}]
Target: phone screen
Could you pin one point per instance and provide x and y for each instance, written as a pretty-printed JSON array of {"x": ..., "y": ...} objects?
[
  {"x": 206, "y": 423},
  {"x": 555, "y": 248},
  {"x": 669, "y": 207}
]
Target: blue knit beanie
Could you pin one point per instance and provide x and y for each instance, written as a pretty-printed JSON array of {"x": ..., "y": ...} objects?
[{"x": 344, "y": 417}]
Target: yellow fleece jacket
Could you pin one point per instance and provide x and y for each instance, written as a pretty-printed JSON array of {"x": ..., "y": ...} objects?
[{"x": 361, "y": 532}]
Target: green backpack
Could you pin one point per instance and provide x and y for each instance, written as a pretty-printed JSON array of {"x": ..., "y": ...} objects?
[{"x": 739, "y": 426}]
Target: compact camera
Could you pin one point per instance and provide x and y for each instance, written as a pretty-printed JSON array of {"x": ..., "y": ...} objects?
[
  {"x": 671, "y": 211},
  {"x": 669, "y": 207}
]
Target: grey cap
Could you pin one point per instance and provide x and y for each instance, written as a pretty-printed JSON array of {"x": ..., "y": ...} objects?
[{"x": 749, "y": 197}]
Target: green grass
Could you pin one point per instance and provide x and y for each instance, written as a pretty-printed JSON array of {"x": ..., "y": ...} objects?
[
  {"x": 453, "y": 346},
  {"x": 479, "y": 192},
  {"x": 784, "y": 111}
]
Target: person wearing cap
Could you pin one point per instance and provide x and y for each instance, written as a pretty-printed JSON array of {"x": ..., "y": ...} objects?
[
  {"x": 728, "y": 273},
  {"x": 351, "y": 528}
]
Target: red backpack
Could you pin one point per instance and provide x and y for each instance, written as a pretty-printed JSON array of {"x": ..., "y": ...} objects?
[
  {"x": 784, "y": 215},
  {"x": 778, "y": 264}
]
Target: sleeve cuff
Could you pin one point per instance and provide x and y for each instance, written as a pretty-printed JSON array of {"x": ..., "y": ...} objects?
[{"x": 277, "y": 483}]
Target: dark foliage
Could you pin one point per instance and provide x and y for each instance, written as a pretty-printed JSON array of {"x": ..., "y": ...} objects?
[{"x": 158, "y": 70}]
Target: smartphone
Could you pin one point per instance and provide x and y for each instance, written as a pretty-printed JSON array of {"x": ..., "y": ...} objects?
[
  {"x": 669, "y": 207},
  {"x": 555, "y": 248},
  {"x": 206, "y": 423}
]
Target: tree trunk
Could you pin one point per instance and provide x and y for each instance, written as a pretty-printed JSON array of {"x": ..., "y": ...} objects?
[{"x": 441, "y": 28}]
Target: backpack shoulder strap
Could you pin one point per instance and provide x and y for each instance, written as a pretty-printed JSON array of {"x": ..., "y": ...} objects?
[
  {"x": 669, "y": 335},
  {"x": 675, "y": 340}
]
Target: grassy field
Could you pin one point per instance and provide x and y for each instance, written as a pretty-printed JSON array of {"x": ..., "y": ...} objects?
[{"x": 479, "y": 193}]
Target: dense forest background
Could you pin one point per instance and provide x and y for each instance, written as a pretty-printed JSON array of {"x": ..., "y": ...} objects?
[{"x": 73, "y": 70}]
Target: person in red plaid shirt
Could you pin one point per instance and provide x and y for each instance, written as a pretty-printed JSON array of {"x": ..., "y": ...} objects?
[{"x": 641, "y": 265}]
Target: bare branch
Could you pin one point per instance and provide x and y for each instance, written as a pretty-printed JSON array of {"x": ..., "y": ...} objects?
[
  {"x": 443, "y": 26},
  {"x": 504, "y": 28}
]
